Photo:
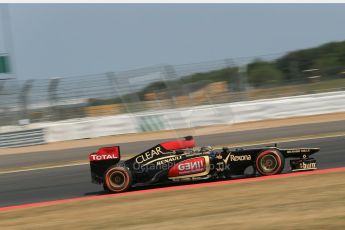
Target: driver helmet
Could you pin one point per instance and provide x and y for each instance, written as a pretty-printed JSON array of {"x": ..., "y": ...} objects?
[{"x": 205, "y": 148}]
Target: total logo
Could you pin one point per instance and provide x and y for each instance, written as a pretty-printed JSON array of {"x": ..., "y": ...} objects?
[{"x": 95, "y": 157}]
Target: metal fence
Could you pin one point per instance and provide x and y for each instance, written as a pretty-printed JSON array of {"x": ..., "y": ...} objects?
[
  {"x": 22, "y": 138},
  {"x": 152, "y": 88}
]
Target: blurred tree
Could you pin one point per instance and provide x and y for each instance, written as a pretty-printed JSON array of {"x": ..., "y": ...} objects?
[
  {"x": 261, "y": 73},
  {"x": 4, "y": 65},
  {"x": 295, "y": 72},
  {"x": 329, "y": 58}
]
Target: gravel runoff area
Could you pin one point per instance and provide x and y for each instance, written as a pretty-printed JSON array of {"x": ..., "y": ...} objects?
[
  {"x": 125, "y": 138},
  {"x": 315, "y": 201}
]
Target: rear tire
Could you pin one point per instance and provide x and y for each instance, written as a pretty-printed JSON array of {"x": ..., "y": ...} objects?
[
  {"x": 270, "y": 162},
  {"x": 117, "y": 179}
]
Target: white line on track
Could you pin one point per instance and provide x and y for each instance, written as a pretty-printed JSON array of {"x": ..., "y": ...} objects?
[{"x": 43, "y": 167}]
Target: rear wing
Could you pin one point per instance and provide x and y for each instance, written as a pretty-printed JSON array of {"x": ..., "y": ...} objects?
[
  {"x": 101, "y": 160},
  {"x": 106, "y": 153}
]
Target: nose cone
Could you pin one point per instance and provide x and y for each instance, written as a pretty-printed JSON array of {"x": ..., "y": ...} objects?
[{"x": 314, "y": 150}]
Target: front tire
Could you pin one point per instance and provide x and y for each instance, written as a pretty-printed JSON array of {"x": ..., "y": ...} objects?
[
  {"x": 270, "y": 162},
  {"x": 117, "y": 179}
]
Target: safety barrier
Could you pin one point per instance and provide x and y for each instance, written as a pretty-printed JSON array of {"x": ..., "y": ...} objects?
[
  {"x": 22, "y": 138},
  {"x": 178, "y": 118},
  {"x": 91, "y": 128},
  {"x": 199, "y": 116}
]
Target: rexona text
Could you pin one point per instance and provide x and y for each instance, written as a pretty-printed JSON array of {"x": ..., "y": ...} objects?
[{"x": 240, "y": 158}]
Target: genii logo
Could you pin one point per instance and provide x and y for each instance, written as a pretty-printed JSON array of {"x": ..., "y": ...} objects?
[{"x": 188, "y": 167}]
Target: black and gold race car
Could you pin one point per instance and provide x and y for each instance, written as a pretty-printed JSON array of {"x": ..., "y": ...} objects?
[{"x": 176, "y": 161}]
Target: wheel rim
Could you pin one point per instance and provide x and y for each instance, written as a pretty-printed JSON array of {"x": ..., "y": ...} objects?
[
  {"x": 268, "y": 163},
  {"x": 117, "y": 179}
]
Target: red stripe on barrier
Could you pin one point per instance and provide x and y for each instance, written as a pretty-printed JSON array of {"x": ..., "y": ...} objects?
[{"x": 8, "y": 208}]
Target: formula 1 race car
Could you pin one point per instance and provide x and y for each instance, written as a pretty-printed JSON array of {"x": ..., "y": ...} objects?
[{"x": 176, "y": 161}]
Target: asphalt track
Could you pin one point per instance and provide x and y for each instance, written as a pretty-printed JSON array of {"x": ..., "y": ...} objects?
[
  {"x": 74, "y": 181},
  {"x": 76, "y": 154}
]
